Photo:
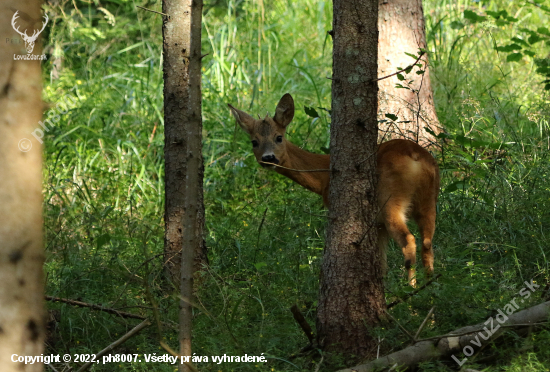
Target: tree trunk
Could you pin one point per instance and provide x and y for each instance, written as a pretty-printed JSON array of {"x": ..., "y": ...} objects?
[
  {"x": 21, "y": 253},
  {"x": 184, "y": 214},
  {"x": 183, "y": 123},
  {"x": 351, "y": 294},
  {"x": 402, "y": 29}
]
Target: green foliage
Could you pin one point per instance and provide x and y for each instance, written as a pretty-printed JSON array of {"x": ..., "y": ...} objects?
[{"x": 104, "y": 190}]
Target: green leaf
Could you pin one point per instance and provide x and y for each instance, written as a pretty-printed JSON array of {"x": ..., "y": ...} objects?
[
  {"x": 519, "y": 41},
  {"x": 326, "y": 150},
  {"x": 259, "y": 265},
  {"x": 102, "y": 240},
  {"x": 310, "y": 111},
  {"x": 461, "y": 140},
  {"x": 542, "y": 62},
  {"x": 391, "y": 117},
  {"x": 529, "y": 53},
  {"x": 456, "y": 25},
  {"x": 543, "y": 30},
  {"x": 497, "y": 15},
  {"x": 547, "y": 87},
  {"x": 400, "y": 77},
  {"x": 411, "y": 55},
  {"x": 514, "y": 57},
  {"x": 420, "y": 72},
  {"x": 512, "y": 19},
  {"x": 534, "y": 38},
  {"x": 399, "y": 86},
  {"x": 429, "y": 131},
  {"x": 509, "y": 48},
  {"x": 473, "y": 16},
  {"x": 458, "y": 185}
]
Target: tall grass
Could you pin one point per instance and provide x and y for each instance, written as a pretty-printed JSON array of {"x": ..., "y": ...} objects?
[{"x": 103, "y": 180}]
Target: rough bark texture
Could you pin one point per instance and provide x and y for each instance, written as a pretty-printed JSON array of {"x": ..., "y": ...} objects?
[
  {"x": 21, "y": 252},
  {"x": 184, "y": 215},
  {"x": 183, "y": 123},
  {"x": 445, "y": 347},
  {"x": 351, "y": 294},
  {"x": 402, "y": 29}
]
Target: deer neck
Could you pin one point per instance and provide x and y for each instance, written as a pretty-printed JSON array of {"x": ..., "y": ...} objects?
[{"x": 304, "y": 160}]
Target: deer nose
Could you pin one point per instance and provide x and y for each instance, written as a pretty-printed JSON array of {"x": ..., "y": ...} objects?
[{"x": 270, "y": 159}]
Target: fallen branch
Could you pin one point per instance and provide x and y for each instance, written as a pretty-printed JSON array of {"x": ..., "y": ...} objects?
[
  {"x": 409, "y": 295},
  {"x": 115, "y": 344},
  {"x": 457, "y": 341},
  {"x": 415, "y": 339},
  {"x": 299, "y": 318},
  {"x": 122, "y": 314}
]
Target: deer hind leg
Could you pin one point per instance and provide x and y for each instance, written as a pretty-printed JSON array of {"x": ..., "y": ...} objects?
[
  {"x": 383, "y": 248},
  {"x": 396, "y": 225},
  {"x": 426, "y": 224}
]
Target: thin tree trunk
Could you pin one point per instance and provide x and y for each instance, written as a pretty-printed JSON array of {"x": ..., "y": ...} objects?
[
  {"x": 21, "y": 252},
  {"x": 402, "y": 29},
  {"x": 351, "y": 294},
  {"x": 184, "y": 215},
  {"x": 180, "y": 108}
]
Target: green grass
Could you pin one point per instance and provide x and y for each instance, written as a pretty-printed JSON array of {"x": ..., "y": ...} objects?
[{"x": 103, "y": 181}]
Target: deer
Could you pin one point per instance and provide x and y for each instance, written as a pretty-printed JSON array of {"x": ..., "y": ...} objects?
[{"x": 408, "y": 183}]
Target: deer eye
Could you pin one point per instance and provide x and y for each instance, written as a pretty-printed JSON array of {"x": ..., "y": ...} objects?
[
  {"x": 279, "y": 139},
  {"x": 254, "y": 143}
]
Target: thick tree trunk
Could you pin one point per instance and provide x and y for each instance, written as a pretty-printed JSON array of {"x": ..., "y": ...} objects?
[
  {"x": 184, "y": 215},
  {"x": 402, "y": 29},
  {"x": 21, "y": 252},
  {"x": 351, "y": 294},
  {"x": 468, "y": 339}
]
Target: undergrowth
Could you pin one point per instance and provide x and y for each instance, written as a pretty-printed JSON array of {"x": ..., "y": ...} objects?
[{"x": 104, "y": 190}]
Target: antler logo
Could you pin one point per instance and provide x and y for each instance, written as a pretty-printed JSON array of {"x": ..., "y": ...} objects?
[{"x": 29, "y": 40}]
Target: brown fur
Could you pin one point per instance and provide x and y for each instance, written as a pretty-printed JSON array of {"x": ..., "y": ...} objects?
[{"x": 408, "y": 180}]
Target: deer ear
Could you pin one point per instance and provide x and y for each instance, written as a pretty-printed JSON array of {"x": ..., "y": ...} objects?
[
  {"x": 284, "y": 113},
  {"x": 245, "y": 121}
]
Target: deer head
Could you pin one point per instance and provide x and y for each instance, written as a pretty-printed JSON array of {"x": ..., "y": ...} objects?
[
  {"x": 268, "y": 134},
  {"x": 29, "y": 40}
]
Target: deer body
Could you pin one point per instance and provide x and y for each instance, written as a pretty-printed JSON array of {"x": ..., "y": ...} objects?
[{"x": 408, "y": 182}]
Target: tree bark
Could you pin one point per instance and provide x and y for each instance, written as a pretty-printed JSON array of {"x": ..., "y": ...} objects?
[
  {"x": 446, "y": 346},
  {"x": 351, "y": 294},
  {"x": 184, "y": 214},
  {"x": 21, "y": 253},
  {"x": 402, "y": 29}
]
